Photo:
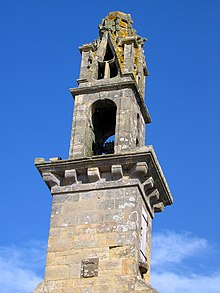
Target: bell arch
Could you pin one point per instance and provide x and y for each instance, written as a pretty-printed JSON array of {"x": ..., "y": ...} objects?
[{"x": 102, "y": 126}]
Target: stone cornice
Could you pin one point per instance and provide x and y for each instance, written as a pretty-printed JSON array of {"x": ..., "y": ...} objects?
[
  {"x": 80, "y": 174},
  {"x": 117, "y": 83}
]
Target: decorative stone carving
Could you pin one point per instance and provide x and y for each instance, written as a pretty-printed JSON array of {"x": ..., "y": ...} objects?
[
  {"x": 51, "y": 179},
  {"x": 117, "y": 172},
  {"x": 89, "y": 268},
  {"x": 70, "y": 176},
  {"x": 93, "y": 174}
]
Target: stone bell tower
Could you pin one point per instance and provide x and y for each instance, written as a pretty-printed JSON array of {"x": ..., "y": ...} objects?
[{"x": 107, "y": 192}]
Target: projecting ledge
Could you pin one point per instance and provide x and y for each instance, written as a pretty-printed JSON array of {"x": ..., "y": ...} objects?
[
  {"x": 142, "y": 165},
  {"x": 117, "y": 83}
]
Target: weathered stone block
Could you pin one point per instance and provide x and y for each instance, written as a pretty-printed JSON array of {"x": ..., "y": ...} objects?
[
  {"x": 56, "y": 272},
  {"x": 129, "y": 267},
  {"x": 50, "y": 260},
  {"x": 74, "y": 270},
  {"x": 90, "y": 217},
  {"x": 64, "y": 284},
  {"x": 62, "y": 244},
  {"x": 121, "y": 252},
  {"x": 105, "y": 204},
  {"x": 61, "y": 198}
]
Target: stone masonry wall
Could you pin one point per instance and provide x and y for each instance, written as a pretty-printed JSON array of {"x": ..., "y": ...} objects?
[
  {"x": 94, "y": 242},
  {"x": 100, "y": 229}
]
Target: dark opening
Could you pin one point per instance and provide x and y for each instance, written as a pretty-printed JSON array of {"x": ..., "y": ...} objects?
[
  {"x": 108, "y": 53},
  {"x": 103, "y": 120},
  {"x": 138, "y": 130},
  {"x": 113, "y": 69},
  {"x": 107, "y": 68},
  {"x": 101, "y": 70}
]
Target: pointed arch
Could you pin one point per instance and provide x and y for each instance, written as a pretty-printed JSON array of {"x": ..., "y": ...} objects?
[{"x": 108, "y": 65}]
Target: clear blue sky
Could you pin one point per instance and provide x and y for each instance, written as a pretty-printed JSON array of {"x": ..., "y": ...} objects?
[{"x": 40, "y": 61}]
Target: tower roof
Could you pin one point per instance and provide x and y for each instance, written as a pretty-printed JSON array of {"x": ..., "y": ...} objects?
[{"x": 119, "y": 25}]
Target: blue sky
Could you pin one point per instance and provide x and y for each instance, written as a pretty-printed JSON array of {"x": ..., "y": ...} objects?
[{"x": 40, "y": 61}]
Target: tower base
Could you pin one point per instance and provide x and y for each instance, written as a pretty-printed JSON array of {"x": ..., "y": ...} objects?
[{"x": 100, "y": 229}]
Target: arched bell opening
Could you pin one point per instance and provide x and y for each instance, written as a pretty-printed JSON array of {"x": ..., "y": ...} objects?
[
  {"x": 107, "y": 68},
  {"x": 103, "y": 124}
]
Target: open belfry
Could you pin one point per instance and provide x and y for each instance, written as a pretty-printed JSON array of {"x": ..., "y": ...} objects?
[{"x": 105, "y": 195}]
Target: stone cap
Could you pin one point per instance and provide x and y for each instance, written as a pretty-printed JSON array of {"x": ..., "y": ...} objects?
[{"x": 118, "y": 26}]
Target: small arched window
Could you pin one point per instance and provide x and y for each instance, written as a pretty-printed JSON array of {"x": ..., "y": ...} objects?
[{"x": 103, "y": 125}]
